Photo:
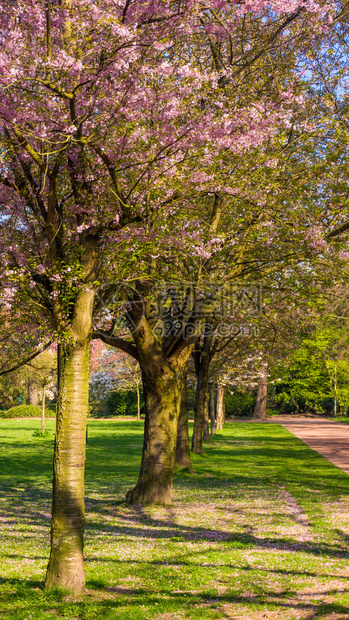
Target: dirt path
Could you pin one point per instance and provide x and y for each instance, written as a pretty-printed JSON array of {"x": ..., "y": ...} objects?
[{"x": 327, "y": 437}]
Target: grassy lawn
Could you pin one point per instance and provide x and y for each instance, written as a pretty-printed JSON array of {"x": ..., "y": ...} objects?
[
  {"x": 259, "y": 531},
  {"x": 344, "y": 419}
]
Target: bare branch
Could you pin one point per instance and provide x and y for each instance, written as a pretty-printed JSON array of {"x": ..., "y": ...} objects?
[
  {"x": 117, "y": 342},
  {"x": 25, "y": 360}
]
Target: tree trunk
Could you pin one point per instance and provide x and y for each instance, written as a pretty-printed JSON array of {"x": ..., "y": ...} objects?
[
  {"x": 261, "y": 401},
  {"x": 162, "y": 385},
  {"x": 43, "y": 409},
  {"x": 65, "y": 568},
  {"x": 33, "y": 398},
  {"x": 183, "y": 449},
  {"x": 202, "y": 367},
  {"x": 220, "y": 407},
  {"x": 162, "y": 375},
  {"x": 138, "y": 404},
  {"x": 212, "y": 411}
]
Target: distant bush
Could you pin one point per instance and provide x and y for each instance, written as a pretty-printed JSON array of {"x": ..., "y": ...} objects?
[
  {"x": 327, "y": 405},
  {"x": 239, "y": 404},
  {"x": 286, "y": 403},
  {"x": 23, "y": 411},
  {"x": 119, "y": 404}
]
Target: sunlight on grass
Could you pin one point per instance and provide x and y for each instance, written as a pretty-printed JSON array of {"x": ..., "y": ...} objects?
[{"x": 260, "y": 530}]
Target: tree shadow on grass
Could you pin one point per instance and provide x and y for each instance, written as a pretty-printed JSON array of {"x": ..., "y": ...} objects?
[
  {"x": 141, "y": 525},
  {"x": 147, "y": 527},
  {"x": 27, "y": 596}
]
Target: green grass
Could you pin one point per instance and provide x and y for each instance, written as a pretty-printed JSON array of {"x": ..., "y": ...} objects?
[
  {"x": 344, "y": 419},
  {"x": 260, "y": 530}
]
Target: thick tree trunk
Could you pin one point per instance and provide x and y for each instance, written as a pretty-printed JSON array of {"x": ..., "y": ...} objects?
[
  {"x": 33, "y": 397},
  {"x": 261, "y": 401},
  {"x": 162, "y": 394},
  {"x": 183, "y": 448},
  {"x": 220, "y": 407},
  {"x": 43, "y": 409},
  {"x": 65, "y": 568},
  {"x": 212, "y": 411},
  {"x": 162, "y": 375}
]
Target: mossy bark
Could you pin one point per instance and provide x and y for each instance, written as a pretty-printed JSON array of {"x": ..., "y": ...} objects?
[
  {"x": 65, "y": 568},
  {"x": 163, "y": 368},
  {"x": 162, "y": 395},
  {"x": 183, "y": 448}
]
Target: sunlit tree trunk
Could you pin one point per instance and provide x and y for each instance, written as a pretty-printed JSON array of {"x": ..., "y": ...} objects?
[
  {"x": 66, "y": 568},
  {"x": 220, "y": 407},
  {"x": 261, "y": 401}
]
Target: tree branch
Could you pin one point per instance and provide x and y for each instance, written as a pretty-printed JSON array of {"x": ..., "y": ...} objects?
[
  {"x": 26, "y": 359},
  {"x": 338, "y": 231},
  {"x": 117, "y": 342}
]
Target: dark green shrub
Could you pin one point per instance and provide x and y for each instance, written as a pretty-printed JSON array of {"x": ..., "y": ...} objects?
[
  {"x": 22, "y": 411},
  {"x": 286, "y": 404},
  {"x": 120, "y": 403},
  {"x": 239, "y": 404}
]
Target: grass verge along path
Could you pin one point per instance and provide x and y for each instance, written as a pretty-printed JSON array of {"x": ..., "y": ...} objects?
[{"x": 259, "y": 531}]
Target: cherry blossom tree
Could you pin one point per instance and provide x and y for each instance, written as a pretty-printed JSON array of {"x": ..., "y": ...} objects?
[{"x": 112, "y": 370}]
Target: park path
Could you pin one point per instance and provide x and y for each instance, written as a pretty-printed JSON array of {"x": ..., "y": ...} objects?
[{"x": 327, "y": 437}]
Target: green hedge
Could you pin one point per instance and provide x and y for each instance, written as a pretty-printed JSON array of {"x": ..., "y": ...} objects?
[{"x": 24, "y": 411}]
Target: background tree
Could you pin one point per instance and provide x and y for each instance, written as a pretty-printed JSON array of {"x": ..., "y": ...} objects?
[{"x": 42, "y": 372}]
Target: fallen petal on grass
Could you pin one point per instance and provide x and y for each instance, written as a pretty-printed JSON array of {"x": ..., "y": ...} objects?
[{"x": 260, "y": 530}]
